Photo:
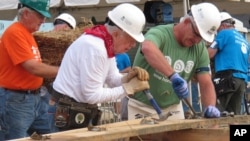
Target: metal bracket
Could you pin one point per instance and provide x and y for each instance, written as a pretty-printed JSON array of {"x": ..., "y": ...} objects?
[{"x": 148, "y": 121}]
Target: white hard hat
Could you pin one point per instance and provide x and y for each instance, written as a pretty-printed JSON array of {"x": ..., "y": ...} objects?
[
  {"x": 239, "y": 26},
  {"x": 129, "y": 18},
  {"x": 67, "y": 18},
  {"x": 207, "y": 19},
  {"x": 225, "y": 16}
]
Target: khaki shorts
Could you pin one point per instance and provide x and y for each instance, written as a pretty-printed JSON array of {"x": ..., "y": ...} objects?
[{"x": 136, "y": 107}]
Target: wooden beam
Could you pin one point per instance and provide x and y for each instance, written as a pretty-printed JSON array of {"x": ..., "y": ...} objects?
[
  {"x": 133, "y": 128},
  {"x": 218, "y": 134}
]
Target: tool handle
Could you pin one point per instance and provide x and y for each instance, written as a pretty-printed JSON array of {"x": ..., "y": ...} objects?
[
  {"x": 189, "y": 105},
  {"x": 152, "y": 101}
]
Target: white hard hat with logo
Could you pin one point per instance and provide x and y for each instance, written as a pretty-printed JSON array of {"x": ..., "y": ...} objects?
[
  {"x": 207, "y": 19},
  {"x": 68, "y": 19},
  {"x": 129, "y": 18},
  {"x": 225, "y": 16}
]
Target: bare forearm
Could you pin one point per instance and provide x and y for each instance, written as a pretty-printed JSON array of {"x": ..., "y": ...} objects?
[
  {"x": 40, "y": 69},
  {"x": 47, "y": 71},
  {"x": 208, "y": 96},
  {"x": 156, "y": 59}
]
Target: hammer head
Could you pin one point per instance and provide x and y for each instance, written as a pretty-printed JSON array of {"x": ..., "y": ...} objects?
[
  {"x": 227, "y": 114},
  {"x": 163, "y": 117}
]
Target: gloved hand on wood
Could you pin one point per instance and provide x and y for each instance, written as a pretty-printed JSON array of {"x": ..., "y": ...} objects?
[
  {"x": 211, "y": 112},
  {"x": 135, "y": 85},
  {"x": 138, "y": 72},
  {"x": 179, "y": 85}
]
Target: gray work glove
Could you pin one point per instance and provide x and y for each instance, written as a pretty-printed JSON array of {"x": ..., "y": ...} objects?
[
  {"x": 135, "y": 85},
  {"x": 138, "y": 72}
]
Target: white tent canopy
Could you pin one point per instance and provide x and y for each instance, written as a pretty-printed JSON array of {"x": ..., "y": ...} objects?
[{"x": 12, "y": 4}]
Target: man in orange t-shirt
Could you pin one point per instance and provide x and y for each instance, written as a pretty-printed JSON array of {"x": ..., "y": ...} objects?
[{"x": 22, "y": 73}]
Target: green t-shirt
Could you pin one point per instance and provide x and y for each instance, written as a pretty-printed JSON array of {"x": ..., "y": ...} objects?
[{"x": 184, "y": 60}]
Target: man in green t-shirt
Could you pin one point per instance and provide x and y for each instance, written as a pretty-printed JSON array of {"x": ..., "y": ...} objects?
[{"x": 173, "y": 54}]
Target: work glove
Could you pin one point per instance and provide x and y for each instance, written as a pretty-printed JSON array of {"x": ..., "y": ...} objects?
[
  {"x": 135, "y": 85},
  {"x": 211, "y": 112},
  {"x": 138, "y": 72},
  {"x": 179, "y": 85}
]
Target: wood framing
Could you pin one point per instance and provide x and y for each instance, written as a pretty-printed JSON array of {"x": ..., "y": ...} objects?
[{"x": 200, "y": 129}]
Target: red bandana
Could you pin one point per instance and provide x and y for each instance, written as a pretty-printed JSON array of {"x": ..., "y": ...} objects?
[{"x": 101, "y": 32}]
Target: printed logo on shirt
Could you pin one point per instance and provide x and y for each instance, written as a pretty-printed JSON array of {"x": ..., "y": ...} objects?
[
  {"x": 36, "y": 53},
  {"x": 243, "y": 48},
  {"x": 179, "y": 66},
  {"x": 189, "y": 67},
  {"x": 168, "y": 59}
]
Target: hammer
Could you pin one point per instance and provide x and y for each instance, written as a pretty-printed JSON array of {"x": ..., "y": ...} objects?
[{"x": 151, "y": 99}]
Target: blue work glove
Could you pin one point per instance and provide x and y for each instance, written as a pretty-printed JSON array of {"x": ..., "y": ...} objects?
[
  {"x": 211, "y": 112},
  {"x": 179, "y": 85}
]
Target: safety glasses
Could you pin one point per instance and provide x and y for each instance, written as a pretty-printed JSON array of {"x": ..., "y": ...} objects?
[{"x": 196, "y": 33}]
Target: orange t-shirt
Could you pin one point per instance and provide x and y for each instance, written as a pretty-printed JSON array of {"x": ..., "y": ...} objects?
[{"x": 17, "y": 46}]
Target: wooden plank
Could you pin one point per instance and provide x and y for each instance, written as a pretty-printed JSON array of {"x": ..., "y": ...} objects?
[
  {"x": 209, "y": 134},
  {"x": 133, "y": 128},
  {"x": 221, "y": 134}
]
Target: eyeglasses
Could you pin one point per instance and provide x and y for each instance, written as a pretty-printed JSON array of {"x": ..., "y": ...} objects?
[{"x": 197, "y": 34}]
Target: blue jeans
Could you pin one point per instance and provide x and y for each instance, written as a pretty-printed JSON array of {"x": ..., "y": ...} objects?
[
  {"x": 3, "y": 126},
  {"x": 51, "y": 114},
  {"x": 51, "y": 109},
  {"x": 26, "y": 113}
]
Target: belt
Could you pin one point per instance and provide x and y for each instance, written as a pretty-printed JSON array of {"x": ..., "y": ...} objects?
[
  {"x": 233, "y": 71},
  {"x": 238, "y": 71},
  {"x": 36, "y": 91},
  {"x": 56, "y": 96}
]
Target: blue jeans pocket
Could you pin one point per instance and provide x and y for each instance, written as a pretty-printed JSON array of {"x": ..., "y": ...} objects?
[{"x": 3, "y": 126}]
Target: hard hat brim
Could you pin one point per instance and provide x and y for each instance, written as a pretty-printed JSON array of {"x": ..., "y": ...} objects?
[
  {"x": 45, "y": 14},
  {"x": 139, "y": 38}
]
